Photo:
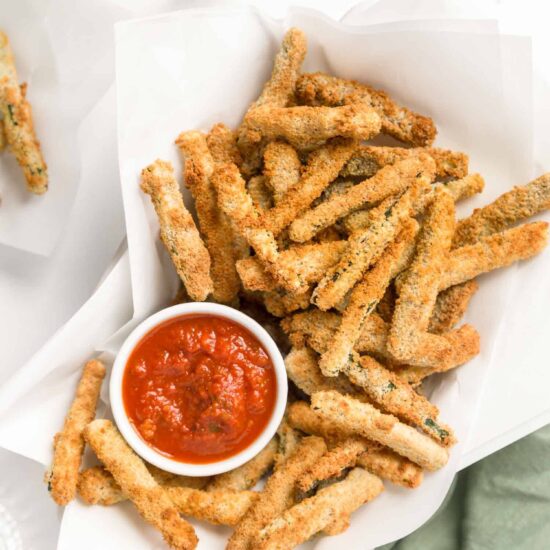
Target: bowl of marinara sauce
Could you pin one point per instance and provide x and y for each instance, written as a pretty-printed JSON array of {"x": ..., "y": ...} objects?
[{"x": 198, "y": 389}]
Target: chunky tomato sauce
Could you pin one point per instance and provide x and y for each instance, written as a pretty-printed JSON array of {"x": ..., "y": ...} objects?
[{"x": 199, "y": 388}]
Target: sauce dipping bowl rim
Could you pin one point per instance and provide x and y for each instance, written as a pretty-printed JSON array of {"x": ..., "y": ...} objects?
[{"x": 153, "y": 456}]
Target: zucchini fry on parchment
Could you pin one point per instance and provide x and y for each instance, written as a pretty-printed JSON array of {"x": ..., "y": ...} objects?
[
  {"x": 151, "y": 500},
  {"x": 62, "y": 477},
  {"x": 17, "y": 126},
  {"x": 178, "y": 230}
]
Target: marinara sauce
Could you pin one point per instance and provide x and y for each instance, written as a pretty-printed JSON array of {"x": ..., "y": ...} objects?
[{"x": 199, "y": 388}]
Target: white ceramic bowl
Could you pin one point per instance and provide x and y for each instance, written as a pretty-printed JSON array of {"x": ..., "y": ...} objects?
[{"x": 175, "y": 466}]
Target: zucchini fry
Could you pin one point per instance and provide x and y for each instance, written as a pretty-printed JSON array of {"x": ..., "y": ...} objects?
[
  {"x": 69, "y": 443},
  {"x": 178, "y": 230},
  {"x": 390, "y": 180},
  {"x": 493, "y": 252},
  {"x": 396, "y": 397},
  {"x": 17, "y": 123},
  {"x": 312, "y": 515},
  {"x": 515, "y": 205},
  {"x": 282, "y": 168},
  {"x": 377, "y": 459},
  {"x": 398, "y": 122},
  {"x": 310, "y": 262},
  {"x": 247, "y": 475},
  {"x": 337, "y": 459},
  {"x": 309, "y": 127},
  {"x": 260, "y": 193},
  {"x": 214, "y": 225},
  {"x": 368, "y": 159},
  {"x": 281, "y": 304},
  {"x": 278, "y": 91},
  {"x": 363, "y": 419},
  {"x": 365, "y": 247},
  {"x": 97, "y": 486},
  {"x": 321, "y": 169},
  {"x": 302, "y": 367},
  {"x": 450, "y": 306},
  {"x": 220, "y": 507},
  {"x": 277, "y": 494},
  {"x": 365, "y": 297},
  {"x": 407, "y": 340},
  {"x": 129, "y": 471}
]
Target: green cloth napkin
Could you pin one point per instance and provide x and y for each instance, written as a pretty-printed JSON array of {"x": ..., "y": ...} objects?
[{"x": 500, "y": 503}]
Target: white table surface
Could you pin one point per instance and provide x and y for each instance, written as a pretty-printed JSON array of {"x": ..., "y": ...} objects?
[{"x": 38, "y": 295}]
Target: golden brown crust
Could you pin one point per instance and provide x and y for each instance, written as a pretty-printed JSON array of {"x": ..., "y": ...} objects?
[
  {"x": 281, "y": 303},
  {"x": 17, "y": 124},
  {"x": 278, "y": 91},
  {"x": 377, "y": 459},
  {"x": 515, "y": 205},
  {"x": 69, "y": 443},
  {"x": 260, "y": 193},
  {"x": 361, "y": 418},
  {"x": 314, "y": 514},
  {"x": 214, "y": 225},
  {"x": 399, "y": 122},
  {"x": 247, "y": 475},
  {"x": 493, "y": 252},
  {"x": 277, "y": 494},
  {"x": 366, "y": 246},
  {"x": 365, "y": 297},
  {"x": 390, "y": 180},
  {"x": 308, "y": 127},
  {"x": 450, "y": 306},
  {"x": 178, "y": 230},
  {"x": 321, "y": 169},
  {"x": 131, "y": 474},
  {"x": 368, "y": 159},
  {"x": 309, "y": 262},
  {"x": 419, "y": 287},
  {"x": 282, "y": 168},
  {"x": 220, "y": 507},
  {"x": 340, "y": 457}
]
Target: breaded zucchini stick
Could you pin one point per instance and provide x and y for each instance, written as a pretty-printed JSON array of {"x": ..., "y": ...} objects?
[
  {"x": 459, "y": 189},
  {"x": 309, "y": 127},
  {"x": 310, "y": 262},
  {"x": 321, "y": 169},
  {"x": 450, "y": 306},
  {"x": 302, "y": 367},
  {"x": 398, "y": 122},
  {"x": 337, "y": 459},
  {"x": 363, "y": 419},
  {"x": 214, "y": 225},
  {"x": 247, "y": 475},
  {"x": 377, "y": 459},
  {"x": 282, "y": 168},
  {"x": 312, "y": 515},
  {"x": 368, "y": 159},
  {"x": 260, "y": 193},
  {"x": 396, "y": 397},
  {"x": 131, "y": 474},
  {"x": 281, "y": 304},
  {"x": 278, "y": 91},
  {"x": 289, "y": 438},
  {"x": 69, "y": 443},
  {"x": 366, "y": 246},
  {"x": 408, "y": 340},
  {"x": 493, "y": 252},
  {"x": 365, "y": 297},
  {"x": 97, "y": 486},
  {"x": 390, "y": 180},
  {"x": 236, "y": 203},
  {"x": 515, "y": 205},
  {"x": 220, "y": 507},
  {"x": 17, "y": 123},
  {"x": 277, "y": 494},
  {"x": 178, "y": 230}
]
